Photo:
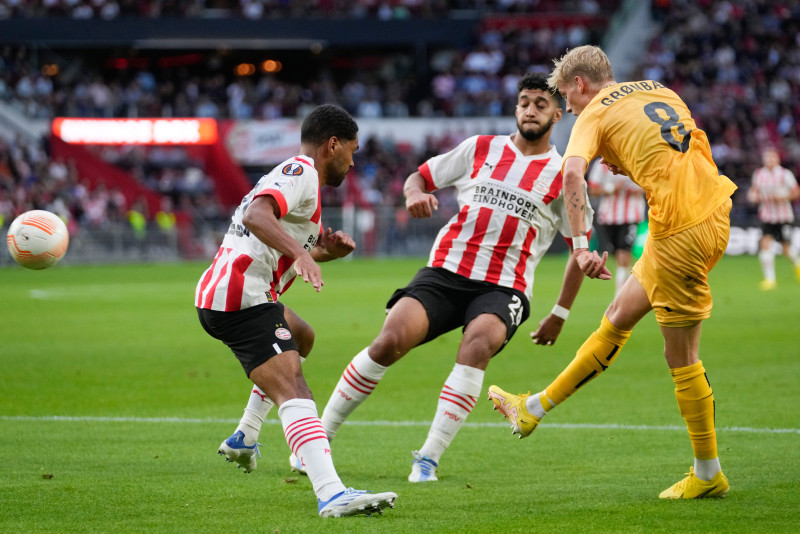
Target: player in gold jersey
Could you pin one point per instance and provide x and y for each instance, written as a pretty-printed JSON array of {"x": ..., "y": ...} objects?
[{"x": 644, "y": 130}]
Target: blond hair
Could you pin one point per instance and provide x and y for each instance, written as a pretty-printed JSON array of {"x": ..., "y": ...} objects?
[{"x": 587, "y": 61}]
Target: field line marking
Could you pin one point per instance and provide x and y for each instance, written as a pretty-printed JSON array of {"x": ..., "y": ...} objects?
[{"x": 190, "y": 420}]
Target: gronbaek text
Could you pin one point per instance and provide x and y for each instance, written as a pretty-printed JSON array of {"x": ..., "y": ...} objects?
[{"x": 627, "y": 88}]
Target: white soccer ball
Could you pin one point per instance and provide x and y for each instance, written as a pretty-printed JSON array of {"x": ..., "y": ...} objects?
[{"x": 37, "y": 239}]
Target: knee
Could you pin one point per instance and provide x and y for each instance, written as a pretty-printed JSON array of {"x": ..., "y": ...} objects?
[
  {"x": 388, "y": 347},
  {"x": 478, "y": 348},
  {"x": 618, "y": 316},
  {"x": 612, "y": 310}
]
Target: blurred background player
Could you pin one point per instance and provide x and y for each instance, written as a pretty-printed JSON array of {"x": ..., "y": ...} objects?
[
  {"x": 645, "y": 131},
  {"x": 622, "y": 207},
  {"x": 274, "y": 236},
  {"x": 774, "y": 188},
  {"x": 480, "y": 272}
]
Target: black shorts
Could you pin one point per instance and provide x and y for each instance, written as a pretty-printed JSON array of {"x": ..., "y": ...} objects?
[
  {"x": 619, "y": 236},
  {"x": 781, "y": 232},
  {"x": 254, "y": 335},
  {"x": 452, "y": 300}
]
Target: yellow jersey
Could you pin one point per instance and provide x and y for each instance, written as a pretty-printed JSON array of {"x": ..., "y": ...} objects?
[{"x": 646, "y": 130}]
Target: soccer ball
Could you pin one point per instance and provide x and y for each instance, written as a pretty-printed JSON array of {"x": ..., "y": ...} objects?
[{"x": 37, "y": 239}]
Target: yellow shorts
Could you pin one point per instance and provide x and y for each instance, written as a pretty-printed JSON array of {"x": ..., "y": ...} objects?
[{"x": 674, "y": 270}]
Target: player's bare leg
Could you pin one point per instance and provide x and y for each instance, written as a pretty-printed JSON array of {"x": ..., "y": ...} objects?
[
  {"x": 595, "y": 356},
  {"x": 405, "y": 327},
  {"x": 766, "y": 256},
  {"x": 242, "y": 446},
  {"x": 483, "y": 337},
  {"x": 281, "y": 378},
  {"x": 794, "y": 256}
]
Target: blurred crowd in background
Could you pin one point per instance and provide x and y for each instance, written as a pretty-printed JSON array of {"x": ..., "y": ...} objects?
[
  {"x": 270, "y": 9},
  {"x": 735, "y": 63}
]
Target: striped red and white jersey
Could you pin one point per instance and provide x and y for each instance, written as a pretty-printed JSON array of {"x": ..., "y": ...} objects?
[
  {"x": 510, "y": 208},
  {"x": 245, "y": 271},
  {"x": 778, "y": 182},
  {"x": 621, "y": 200}
]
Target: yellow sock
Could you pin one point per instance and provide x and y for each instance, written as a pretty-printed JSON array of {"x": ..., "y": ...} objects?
[
  {"x": 594, "y": 357},
  {"x": 696, "y": 403}
]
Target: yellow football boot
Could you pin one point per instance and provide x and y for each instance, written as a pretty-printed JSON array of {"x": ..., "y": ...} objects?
[
  {"x": 767, "y": 285},
  {"x": 692, "y": 487},
  {"x": 514, "y": 409}
]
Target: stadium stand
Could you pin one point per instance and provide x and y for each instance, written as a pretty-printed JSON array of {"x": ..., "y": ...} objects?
[
  {"x": 737, "y": 65},
  {"x": 733, "y": 62},
  {"x": 470, "y": 77}
]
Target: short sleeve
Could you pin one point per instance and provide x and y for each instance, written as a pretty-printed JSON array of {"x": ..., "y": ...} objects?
[
  {"x": 584, "y": 140},
  {"x": 286, "y": 185},
  {"x": 446, "y": 169}
]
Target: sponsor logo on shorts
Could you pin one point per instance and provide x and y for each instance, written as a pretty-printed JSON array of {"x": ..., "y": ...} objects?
[{"x": 282, "y": 333}]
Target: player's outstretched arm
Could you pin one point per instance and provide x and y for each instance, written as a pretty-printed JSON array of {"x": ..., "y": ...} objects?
[
  {"x": 419, "y": 203},
  {"x": 592, "y": 264},
  {"x": 261, "y": 218},
  {"x": 550, "y": 327},
  {"x": 332, "y": 245}
]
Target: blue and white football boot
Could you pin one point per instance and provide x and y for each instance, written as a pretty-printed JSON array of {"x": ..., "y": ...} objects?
[
  {"x": 423, "y": 469},
  {"x": 234, "y": 450},
  {"x": 353, "y": 502}
]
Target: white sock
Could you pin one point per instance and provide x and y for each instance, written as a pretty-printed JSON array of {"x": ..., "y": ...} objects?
[
  {"x": 622, "y": 275},
  {"x": 456, "y": 401},
  {"x": 307, "y": 439},
  {"x": 706, "y": 469},
  {"x": 534, "y": 404},
  {"x": 258, "y": 406},
  {"x": 358, "y": 380},
  {"x": 767, "y": 258}
]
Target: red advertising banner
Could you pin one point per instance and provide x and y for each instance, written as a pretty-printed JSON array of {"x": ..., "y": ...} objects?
[{"x": 191, "y": 131}]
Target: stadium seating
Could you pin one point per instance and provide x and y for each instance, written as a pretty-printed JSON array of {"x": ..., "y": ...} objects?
[{"x": 735, "y": 66}]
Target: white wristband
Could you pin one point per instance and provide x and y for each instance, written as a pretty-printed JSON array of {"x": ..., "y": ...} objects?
[
  {"x": 560, "y": 311},
  {"x": 580, "y": 241}
]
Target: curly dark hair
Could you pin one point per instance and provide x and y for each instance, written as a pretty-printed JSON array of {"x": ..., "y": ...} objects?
[
  {"x": 328, "y": 121},
  {"x": 536, "y": 80}
]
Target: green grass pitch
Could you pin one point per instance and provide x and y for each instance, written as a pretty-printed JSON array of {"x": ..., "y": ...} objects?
[{"x": 113, "y": 402}]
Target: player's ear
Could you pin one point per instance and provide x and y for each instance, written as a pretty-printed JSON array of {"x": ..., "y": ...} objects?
[
  {"x": 558, "y": 114},
  {"x": 333, "y": 144}
]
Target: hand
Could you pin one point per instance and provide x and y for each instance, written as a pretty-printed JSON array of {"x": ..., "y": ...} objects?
[
  {"x": 308, "y": 270},
  {"x": 421, "y": 205},
  {"x": 336, "y": 244},
  {"x": 548, "y": 331},
  {"x": 592, "y": 264}
]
